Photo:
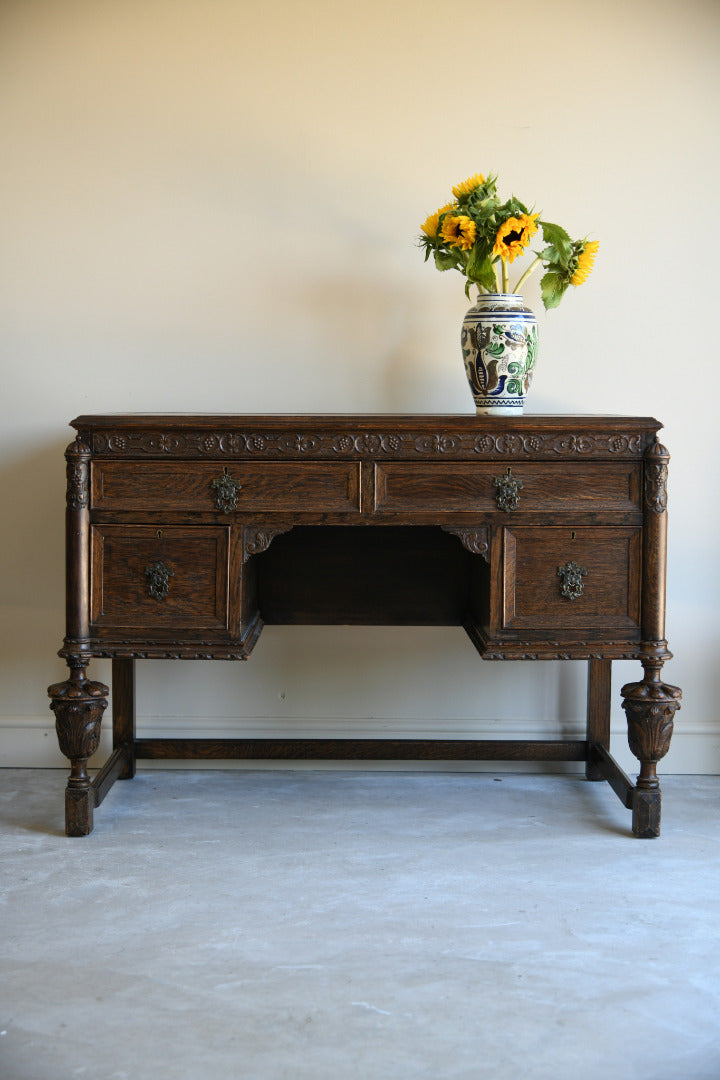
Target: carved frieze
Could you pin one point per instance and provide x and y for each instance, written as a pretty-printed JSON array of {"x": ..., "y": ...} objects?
[
  {"x": 577, "y": 651},
  {"x": 329, "y": 444}
]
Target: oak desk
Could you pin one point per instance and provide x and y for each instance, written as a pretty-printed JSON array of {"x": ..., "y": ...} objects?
[{"x": 543, "y": 536}]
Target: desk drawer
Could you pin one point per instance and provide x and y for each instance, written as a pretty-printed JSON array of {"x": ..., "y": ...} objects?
[
  {"x": 240, "y": 486},
  {"x": 563, "y": 578},
  {"x": 466, "y": 486},
  {"x": 146, "y": 579}
]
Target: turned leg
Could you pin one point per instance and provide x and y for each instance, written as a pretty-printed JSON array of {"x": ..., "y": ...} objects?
[
  {"x": 78, "y": 704},
  {"x": 650, "y": 707}
]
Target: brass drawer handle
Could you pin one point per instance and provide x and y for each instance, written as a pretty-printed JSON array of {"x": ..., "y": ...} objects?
[
  {"x": 158, "y": 576},
  {"x": 508, "y": 491},
  {"x": 571, "y": 575},
  {"x": 226, "y": 490}
]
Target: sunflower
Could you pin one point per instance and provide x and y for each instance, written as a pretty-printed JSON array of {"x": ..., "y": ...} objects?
[
  {"x": 468, "y": 186},
  {"x": 459, "y": 231},
  {"x": 514, "y": 236},
  {"x": 585, "y": 260},
  {"x": 431, "y": 225}
]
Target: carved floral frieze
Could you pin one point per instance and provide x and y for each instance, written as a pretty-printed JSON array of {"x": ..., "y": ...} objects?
[{"x": 330, "y": 444}]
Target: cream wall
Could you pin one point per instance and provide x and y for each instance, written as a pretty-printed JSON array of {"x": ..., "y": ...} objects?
[{"x": 212, "y": 206}]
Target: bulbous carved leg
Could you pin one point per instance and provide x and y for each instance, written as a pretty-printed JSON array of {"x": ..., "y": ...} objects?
[
  {"x": 78, "y": 704},
  {"x": 650, "y": 707}
]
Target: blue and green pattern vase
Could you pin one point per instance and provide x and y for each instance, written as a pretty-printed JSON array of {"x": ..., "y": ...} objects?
[{"x": 499, "y": 345}]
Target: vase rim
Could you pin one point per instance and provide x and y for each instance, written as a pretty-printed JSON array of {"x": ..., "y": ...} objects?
[{"x": 500, "y": 296}]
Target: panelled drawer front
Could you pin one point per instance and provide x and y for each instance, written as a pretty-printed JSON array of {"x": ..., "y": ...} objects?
[
  {"x": 540, "y": 562},
  {"x": 148, "y": 578},
  {"x": 466, "y": 486},
  {"x": 259, "y": 486}
]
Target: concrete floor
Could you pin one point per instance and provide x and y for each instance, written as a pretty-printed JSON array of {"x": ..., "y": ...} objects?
[{"x": 341, "y": 925}]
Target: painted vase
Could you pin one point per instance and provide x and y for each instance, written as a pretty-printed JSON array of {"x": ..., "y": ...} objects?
[{"x": 499, "y": 346}]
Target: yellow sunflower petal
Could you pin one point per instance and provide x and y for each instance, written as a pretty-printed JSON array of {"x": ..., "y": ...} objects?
[
  {"x": 468, "y": 186},
  {"x": 431, "y": 225},
  {"x": 459, "y": 231},
  {"x": 586, "y": 258},
  {"x": 514, "y": 235}
]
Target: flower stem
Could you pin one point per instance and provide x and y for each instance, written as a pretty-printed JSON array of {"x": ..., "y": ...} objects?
[
  {"x": 533, "y": 266},
  {"x": 504, "y": 276},
  {"x": 498, "y": 286}
]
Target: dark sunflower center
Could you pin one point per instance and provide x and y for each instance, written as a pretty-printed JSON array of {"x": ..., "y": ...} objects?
[{"x": 513, "y": 237}]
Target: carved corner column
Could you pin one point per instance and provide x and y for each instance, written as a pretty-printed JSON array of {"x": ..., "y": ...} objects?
[
  {"x": 78, "y": 703},
  {"x": 650, "y": 705}
]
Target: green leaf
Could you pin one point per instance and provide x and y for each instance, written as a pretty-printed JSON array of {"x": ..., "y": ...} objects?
[
  {"x": 514, "y": 208},
  {"x": 548, "y": 254},
  {"x": 554, "y": 233},
  {"x": 560, "y": 240},
  {"x": 446, "y": 261},
  {"x": 479, "y": 269},
  {"x": 552, "y": 288}
]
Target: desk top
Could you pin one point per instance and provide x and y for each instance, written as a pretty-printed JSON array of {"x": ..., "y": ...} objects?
[
  {"x": 465, "y": 421},
  {"x": 210, "y": 435}
]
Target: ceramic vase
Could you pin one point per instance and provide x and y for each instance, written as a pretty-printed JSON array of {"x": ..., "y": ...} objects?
[{"x": 499, "y": 346}]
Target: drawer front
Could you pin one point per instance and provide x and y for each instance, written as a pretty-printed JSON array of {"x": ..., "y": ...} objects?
[
  {"x": 559, "y": 578},
  {"x": 146, "y": 578},
  {"x": 465, "y": 486},
  {"x": 238, "y": 487}
]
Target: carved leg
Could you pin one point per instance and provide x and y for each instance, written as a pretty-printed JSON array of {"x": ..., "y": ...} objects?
[
  {"x": 650, "y": 707},
  {"x": 78, "y": 705}
]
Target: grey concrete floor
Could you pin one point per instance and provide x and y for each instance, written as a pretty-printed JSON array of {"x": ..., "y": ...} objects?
[{"x": 331, "y": 925}]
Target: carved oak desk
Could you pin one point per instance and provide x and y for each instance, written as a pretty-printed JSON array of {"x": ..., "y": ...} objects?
[{"x": 543, "y": 536}]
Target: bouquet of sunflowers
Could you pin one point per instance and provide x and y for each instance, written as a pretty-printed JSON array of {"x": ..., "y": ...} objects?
[{"x": 479, "y": 235}]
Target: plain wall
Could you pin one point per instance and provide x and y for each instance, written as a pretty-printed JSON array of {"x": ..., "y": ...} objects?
[{"x": 209, "y": 205}]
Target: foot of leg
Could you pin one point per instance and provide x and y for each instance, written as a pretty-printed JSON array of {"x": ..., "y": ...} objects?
[
  {"x": 646, "y": 813},
  {"x": 79, "y": 807}
]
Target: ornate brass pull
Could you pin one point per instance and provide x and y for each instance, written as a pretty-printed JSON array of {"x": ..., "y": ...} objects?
[
  {"x": 571, "y": 575},
  {"x": 226, "y": 490},
  {"x": 158, "y": 576},
  {"x": 508, "y": 491}
]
